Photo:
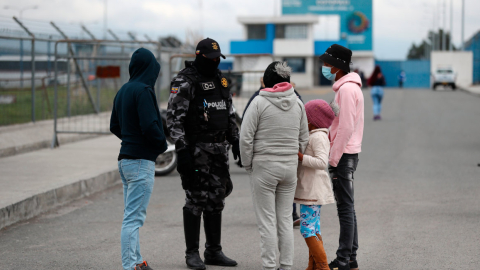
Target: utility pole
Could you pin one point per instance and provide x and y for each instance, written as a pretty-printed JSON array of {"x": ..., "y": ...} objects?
[
  {"x": 450, "y": 45},
  {"x": 444, "y": 34},
  {"x": 201, "y": 17},
  {"x": 463, "y": 25},
  {"x": 105, "y": 19}
]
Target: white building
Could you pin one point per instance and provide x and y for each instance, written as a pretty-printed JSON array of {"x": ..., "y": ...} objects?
[{"x": 289, "y": 38}]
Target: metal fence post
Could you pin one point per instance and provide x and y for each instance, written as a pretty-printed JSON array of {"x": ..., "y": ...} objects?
[
  {"x": 33, "y": 64},
  {"x": 21, "y": 63},
  {"x": 68, "y": 84},
  {"x": 55, "y": 105},
  {"x": 33, "y": 79}
]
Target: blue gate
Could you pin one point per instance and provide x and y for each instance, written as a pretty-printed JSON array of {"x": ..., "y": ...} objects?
[{"x": 417, "y": 72}]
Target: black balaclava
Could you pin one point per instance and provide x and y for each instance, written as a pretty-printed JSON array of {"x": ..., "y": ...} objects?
[{"x": 206, "y": 67}]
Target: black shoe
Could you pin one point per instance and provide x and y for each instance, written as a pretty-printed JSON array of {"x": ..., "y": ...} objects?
[
  {"x": 218, "y": 258},
  {"x": 142, "y": 266},
  {"x": 353, "y": 265},
  {"x": 337, "y": 265},
  {"x": 213, "y": 249},
  {"x": 194, "y": 261},
  {"x": 191, "y": 226}
]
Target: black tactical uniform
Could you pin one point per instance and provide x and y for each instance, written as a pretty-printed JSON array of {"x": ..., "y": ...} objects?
[{"x": 201, "y": 122}]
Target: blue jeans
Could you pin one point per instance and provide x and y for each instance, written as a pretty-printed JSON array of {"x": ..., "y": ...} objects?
[
  {"x": 138, "y": 176},
  {"x": 310, "y": 220},
  {"x": 377, "y": 96}
]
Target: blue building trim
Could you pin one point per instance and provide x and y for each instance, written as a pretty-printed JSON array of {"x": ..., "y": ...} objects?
[
  {"x": 321, "y": 46},
  {"x": 255, "y": 46}
]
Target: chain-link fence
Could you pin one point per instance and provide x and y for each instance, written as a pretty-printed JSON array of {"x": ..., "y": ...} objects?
[
  {"x": 95, "y": 72},
  {"x": 26, "y": 77}
]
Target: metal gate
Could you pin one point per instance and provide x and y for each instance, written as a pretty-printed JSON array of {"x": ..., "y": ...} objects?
[{"x": 96, "y": 69}]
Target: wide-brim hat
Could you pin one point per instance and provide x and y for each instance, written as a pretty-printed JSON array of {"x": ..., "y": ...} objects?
[{"x": 338, "y": 56}]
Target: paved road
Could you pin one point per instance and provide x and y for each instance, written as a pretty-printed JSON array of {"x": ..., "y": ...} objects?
[{"x": 417, "y": 201}]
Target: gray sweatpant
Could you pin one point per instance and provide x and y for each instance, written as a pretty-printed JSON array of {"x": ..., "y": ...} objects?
[{"x": 273, "y": 186}]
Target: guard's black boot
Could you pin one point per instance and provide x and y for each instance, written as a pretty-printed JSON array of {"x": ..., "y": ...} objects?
[
  {"x": 191, "y": 226},
  {"x": 213, "y": 249}
]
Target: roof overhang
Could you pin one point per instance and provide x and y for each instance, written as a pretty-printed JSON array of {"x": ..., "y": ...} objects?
[{"x": 293, "y": 19}]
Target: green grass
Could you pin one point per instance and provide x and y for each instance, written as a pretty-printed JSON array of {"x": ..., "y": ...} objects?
[{"x": 20, "y": 111}]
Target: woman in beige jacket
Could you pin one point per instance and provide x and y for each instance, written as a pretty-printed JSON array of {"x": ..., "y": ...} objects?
[{"x": 314, "y": 187}]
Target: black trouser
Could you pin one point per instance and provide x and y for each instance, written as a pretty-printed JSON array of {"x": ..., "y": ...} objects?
[{"x": 342, "y": 180}]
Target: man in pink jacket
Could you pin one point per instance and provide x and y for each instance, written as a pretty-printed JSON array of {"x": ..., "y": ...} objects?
[{"x": 345, "y": 137}]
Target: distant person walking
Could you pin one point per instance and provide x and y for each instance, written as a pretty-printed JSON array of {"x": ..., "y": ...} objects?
[
  {"x": 402, "y": 77},
  {"x": 273, "y": 130},
  {"x": 136, "y": 121},
  {"x": 314, "y": 187},
  {"x": 377, "y": 82},
  {"x": 345, "y": 136}
]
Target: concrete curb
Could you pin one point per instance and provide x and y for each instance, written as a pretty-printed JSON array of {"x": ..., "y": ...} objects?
[
  {"x": 468, "y": 92},
  {"x": 48, "y": 200}
]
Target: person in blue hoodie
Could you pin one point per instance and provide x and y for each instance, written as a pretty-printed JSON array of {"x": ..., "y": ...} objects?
[{"x": 136, "y": 121}]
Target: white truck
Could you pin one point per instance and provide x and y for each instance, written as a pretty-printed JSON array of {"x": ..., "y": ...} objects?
[{"x": 445, "y": 77}]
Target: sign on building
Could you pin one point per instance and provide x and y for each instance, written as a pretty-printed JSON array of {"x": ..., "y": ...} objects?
[{"x": 355, "y": 18}]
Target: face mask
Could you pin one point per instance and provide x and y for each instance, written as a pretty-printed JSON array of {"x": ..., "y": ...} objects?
[
  {"x": 206, "y": 67},
  {"x": 327, "y": 72}
]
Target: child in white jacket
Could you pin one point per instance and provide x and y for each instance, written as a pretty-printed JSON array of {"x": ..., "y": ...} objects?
[{"x": 314, "y": 187}]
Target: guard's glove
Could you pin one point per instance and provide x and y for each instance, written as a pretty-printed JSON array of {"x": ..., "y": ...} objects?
[
  {"x": 236, "y": 153},
  {"x": 186, "y": 168},
  {"x": 229, "y": 187}
]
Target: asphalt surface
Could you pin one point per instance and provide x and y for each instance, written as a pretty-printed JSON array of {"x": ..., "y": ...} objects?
[{"x": 417, "y": 201}]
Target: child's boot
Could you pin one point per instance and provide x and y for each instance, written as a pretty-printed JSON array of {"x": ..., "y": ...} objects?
[
  {"x": 315, "y": 245},
  {"x": 311, "y": 263}
]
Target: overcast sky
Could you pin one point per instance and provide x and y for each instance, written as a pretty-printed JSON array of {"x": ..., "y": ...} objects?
[{"x": 396, "y": 23}]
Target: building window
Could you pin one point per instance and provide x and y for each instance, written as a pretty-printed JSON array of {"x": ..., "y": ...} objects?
[
  {"x": 297, "y": 64},
  {"x": 291, "y": 31},
  {"x": 256, "y": 31}
]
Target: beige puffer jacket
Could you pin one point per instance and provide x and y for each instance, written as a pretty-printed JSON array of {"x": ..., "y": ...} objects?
[{"x": 314, "y": 186}]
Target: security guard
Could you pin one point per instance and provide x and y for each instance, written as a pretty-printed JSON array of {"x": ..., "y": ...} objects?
[{"x": 201, "y": 122}]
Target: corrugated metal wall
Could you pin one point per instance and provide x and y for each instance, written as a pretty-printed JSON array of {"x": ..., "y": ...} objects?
[{"x": 417, "y": 71}]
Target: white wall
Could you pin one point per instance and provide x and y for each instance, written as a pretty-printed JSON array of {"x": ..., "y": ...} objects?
[
  {"x": 365, "y": 64},
  {"x": 293, "y": 47},
  {"x": 461, "y": 62}
]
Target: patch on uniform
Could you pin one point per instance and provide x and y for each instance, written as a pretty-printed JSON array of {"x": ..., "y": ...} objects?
[
  {"x": 224, "y": 82},
  {"x": 174, "y": 90},
  {"x": 208, "y": 86},
  {"x": 197, "y": 52},
  {"x": 219, "y": 105},
  {"x": 215, "y": 46}
]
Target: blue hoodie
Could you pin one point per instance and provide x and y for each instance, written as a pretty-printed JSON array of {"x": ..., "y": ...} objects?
[{"x": 135, "y": 115}]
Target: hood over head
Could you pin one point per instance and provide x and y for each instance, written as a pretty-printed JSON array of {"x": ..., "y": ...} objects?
[
  {"x": 281, "y": 95},
  {"x": 144, "y": 67},
  {"x": 351, "y": 77}
]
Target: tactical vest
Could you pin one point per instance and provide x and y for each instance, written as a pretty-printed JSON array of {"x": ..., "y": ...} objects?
[{"x": 208, "y": 111}]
